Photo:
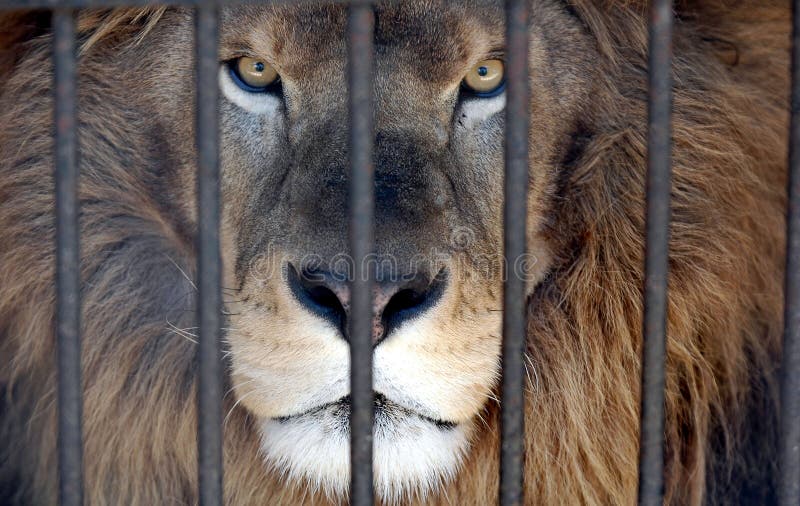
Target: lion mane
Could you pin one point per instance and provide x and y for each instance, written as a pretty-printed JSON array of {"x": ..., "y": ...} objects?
[{"x": 585, "y": 319}]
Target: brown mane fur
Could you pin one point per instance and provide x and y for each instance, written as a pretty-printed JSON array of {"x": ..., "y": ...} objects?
[{"x": 585, "y": 319}]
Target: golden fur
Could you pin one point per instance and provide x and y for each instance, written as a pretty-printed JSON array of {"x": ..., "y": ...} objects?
[{"x": 585, "y": 317}]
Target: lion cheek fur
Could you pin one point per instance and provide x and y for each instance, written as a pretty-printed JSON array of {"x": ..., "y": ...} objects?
[{"x": 441, "y": 371}]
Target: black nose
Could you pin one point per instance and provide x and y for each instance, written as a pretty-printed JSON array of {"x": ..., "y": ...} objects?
[{"x": 396, "y": 299}]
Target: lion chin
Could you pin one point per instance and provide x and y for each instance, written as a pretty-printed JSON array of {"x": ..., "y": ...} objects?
[{"x": 412, "y": 453}]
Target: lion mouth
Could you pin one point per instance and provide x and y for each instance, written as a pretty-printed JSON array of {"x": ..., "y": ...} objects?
[
  {"x": 411, "y": 450},
  {"x": 387, "y": 414}
]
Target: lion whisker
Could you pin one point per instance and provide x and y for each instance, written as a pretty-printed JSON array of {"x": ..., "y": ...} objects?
[
  {"x": 235, "y": 404},
  {"x": 181, "y": 271},
  {"x": 242, "y": 383},
  {"x": 533, "y": 375},
  {"x": 171, "y": 327},
  {"x": 482, "y": 419},
  {"x": 493, "y": 397}
]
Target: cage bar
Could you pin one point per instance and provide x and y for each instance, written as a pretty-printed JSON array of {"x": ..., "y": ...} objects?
[
  {"x": 209, "y": 303},
  {"x": 68, "y": 303},
  {"x": 659, "y": 160},
  {"x": 789, "y": 439},
  {"x": 517, "y": 125},
  {"x": 360, "y": 33}
]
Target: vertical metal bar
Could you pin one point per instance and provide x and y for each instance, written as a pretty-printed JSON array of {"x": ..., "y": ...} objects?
[
  {"x": 789, "y": 448},
  {"x": 651, "y": 464},
  {"x": 360, "y": 32},
  {"x": 209, "y": 270},
  {"x": 515, "y": 215},
  {"x": 68, "y": 303}
]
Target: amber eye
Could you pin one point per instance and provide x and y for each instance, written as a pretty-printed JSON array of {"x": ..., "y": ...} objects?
[
  {"x": 252, "y": 74},
  {"x": 486, "y": 79}
]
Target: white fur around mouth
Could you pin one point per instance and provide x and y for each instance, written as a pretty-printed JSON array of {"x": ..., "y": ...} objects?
[{"x": 412, "y": 455}]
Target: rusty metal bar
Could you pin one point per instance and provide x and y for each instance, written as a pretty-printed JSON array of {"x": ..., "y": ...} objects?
[
  {"x": 789, "y": 441},
  {"x": 209, "y": 265},
  {"x": 68, "y": 302},
  {"x": 517, "y": 124},
  {"x": 360, "y": 33},
  {"x": 659, "y": 161}
]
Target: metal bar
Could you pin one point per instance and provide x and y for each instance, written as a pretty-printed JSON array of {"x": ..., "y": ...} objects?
[
  {"x": 659, "y": 153},
  {"x": 789, "y": 442},
  {"x": 360, "y": 33},
  {"x": 209, "y": 266},
  {"x": 68, "y": 302},
  {"x": 515, "y": 216}
]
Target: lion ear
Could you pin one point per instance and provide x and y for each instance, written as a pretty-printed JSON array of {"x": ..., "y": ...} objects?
[
  {"x": 711, "y": 10},
  {"x": 690, "y": 5},
  {"x": 741, "y": 32},
  {"x": 720, "y": 12}
]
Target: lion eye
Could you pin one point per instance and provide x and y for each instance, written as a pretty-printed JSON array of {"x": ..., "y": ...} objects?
[
  {"x": 486, "y": 79},
  {"x": 252, "y": 74}
]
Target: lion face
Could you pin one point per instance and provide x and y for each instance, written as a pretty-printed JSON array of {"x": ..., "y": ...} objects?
[
  {"x": 438, "y": 163},
  {"x": 439, "y": 266}
]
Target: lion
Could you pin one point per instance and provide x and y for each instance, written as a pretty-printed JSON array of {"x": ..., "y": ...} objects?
[{"x": 438, "y": 151}]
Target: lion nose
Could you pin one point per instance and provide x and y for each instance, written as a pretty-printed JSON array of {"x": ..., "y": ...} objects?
[{"x": 395, "y": 299}]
